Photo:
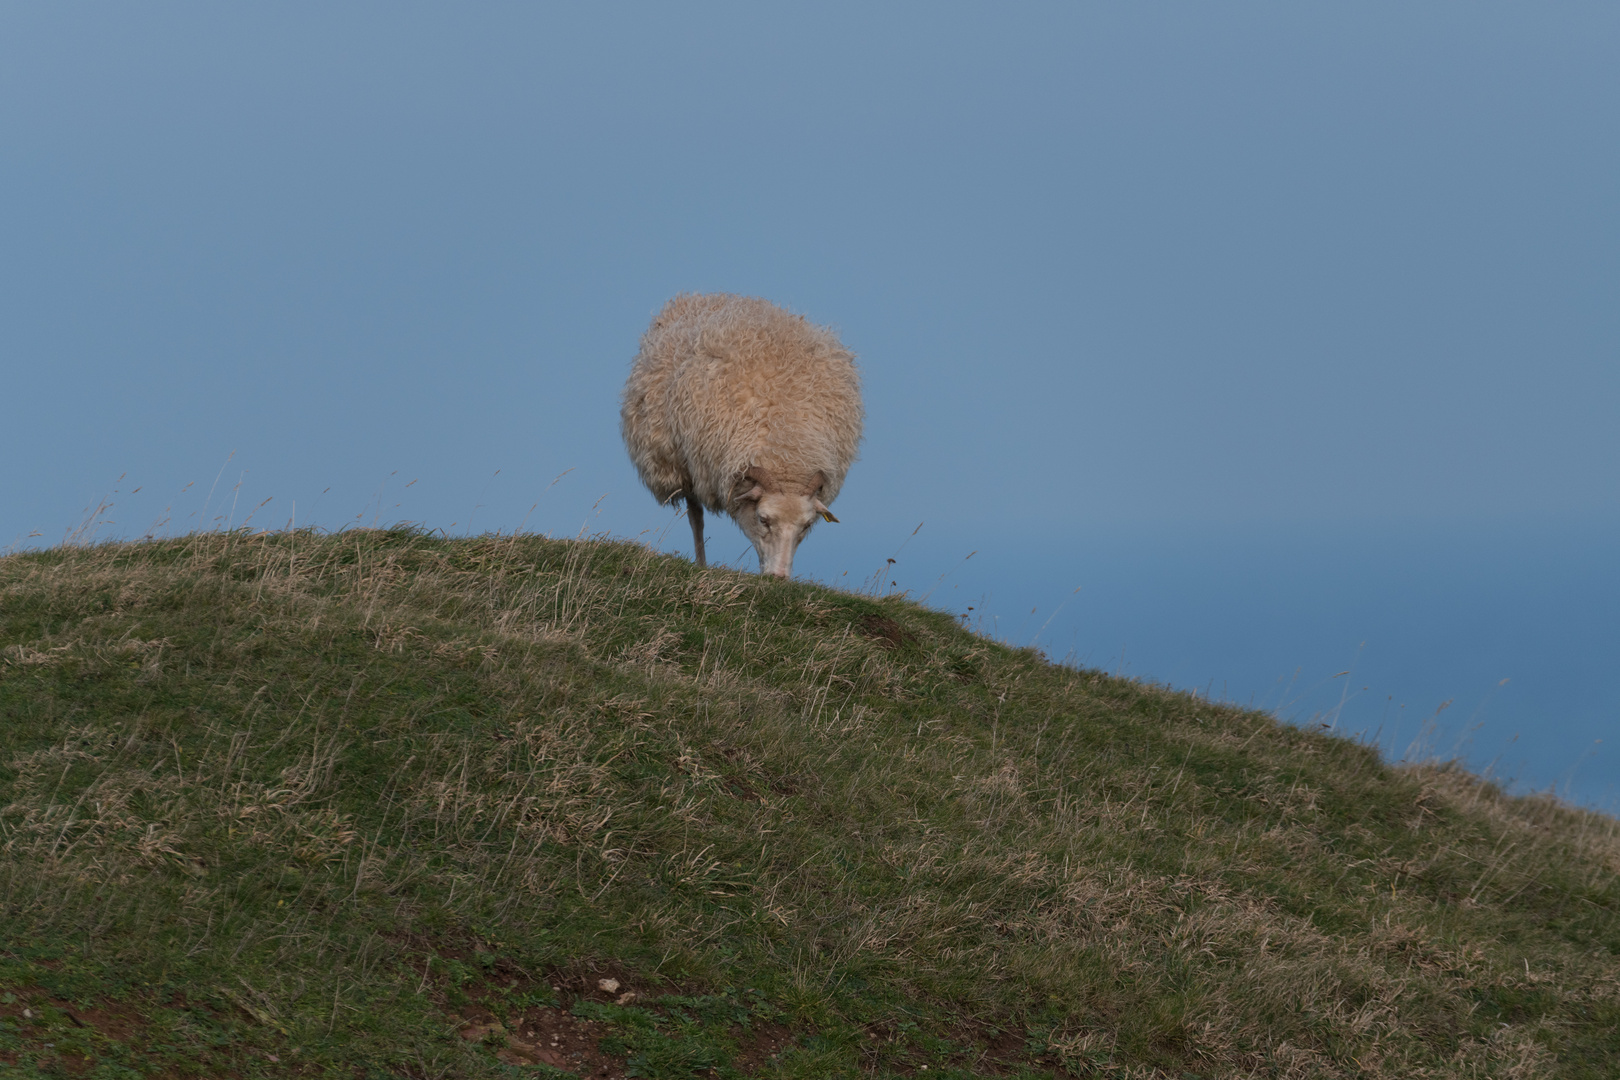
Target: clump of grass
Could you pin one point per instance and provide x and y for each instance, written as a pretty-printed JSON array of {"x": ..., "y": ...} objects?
[{"x": 284, "y": 803}]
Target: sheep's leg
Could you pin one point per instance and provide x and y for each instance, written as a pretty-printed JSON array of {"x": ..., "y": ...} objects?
[{"x": 694, "y": 514}]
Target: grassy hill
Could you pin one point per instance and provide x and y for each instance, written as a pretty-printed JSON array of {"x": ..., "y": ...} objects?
[{"x": 378, "y": 804}]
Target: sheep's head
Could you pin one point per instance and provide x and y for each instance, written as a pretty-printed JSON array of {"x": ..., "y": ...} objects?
[{"x": 776, "y": 514}]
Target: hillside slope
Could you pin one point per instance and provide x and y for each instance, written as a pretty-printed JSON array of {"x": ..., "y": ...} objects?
[{"x": 380, "y": 804}]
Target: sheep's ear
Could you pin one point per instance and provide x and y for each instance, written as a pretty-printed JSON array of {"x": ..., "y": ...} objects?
[
  {"x": 761, "y": 480},
  {"x": 817, "y": 482}
]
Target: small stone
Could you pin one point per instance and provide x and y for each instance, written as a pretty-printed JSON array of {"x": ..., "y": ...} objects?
[
  {"x": 626, "y": 998},
  {"x": 610, "y": 986}
]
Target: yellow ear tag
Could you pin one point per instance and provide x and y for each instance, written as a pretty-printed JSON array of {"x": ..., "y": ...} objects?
[{"x": 826, "y": 515}]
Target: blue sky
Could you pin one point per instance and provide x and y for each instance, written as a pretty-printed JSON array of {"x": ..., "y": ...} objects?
[{"x": 1289, "y": 334}]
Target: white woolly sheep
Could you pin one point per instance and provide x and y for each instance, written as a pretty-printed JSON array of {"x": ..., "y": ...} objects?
[{"x": 745, "y": 408}]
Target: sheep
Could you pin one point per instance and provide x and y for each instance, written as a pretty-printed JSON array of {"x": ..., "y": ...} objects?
[{"x": 745, "y": 408}]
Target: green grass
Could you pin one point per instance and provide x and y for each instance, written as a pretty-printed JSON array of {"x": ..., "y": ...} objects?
[{"x": 380, "y": 804}]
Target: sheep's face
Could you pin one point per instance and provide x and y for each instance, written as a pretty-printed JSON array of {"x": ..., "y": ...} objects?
[
  {"x": 776, "y": 515},
  {"x": 776, "y": 522}
]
